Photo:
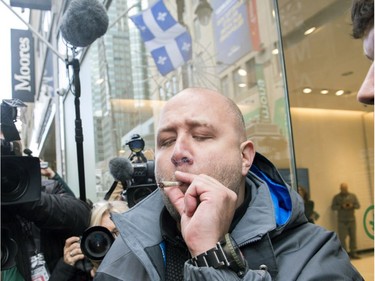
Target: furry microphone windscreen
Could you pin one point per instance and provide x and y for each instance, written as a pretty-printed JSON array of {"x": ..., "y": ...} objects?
[
  {"x": 121, "y": 169},
  {"x": 83, "y": 22}
]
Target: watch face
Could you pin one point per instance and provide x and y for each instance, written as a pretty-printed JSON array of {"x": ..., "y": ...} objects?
[{"x": 234, "y": 255}]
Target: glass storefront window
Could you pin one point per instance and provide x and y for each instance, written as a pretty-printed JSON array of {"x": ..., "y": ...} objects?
[
  {"x": 333, "y": 133},
  {"x": 232, "y": 53}
]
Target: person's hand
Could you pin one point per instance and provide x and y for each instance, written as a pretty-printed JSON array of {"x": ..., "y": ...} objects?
[
  {"x": 347, "y": 206},
  {"x": 207, "y": 209},
  {"x": 93, "y": 272},
  {"x": 47, "y": 172},
  {"x": 72, "y": 251}
]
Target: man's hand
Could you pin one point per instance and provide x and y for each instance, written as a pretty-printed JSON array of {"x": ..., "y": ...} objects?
[
  {"x": 347, "y": 205},
  {"x": 206, "y": 210}
]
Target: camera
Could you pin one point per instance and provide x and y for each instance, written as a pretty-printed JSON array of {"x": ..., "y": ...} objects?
[
  {"x": 96, "y": 242},
  {"x": 20, "y": 179},
  {"x": 143, "y": 179}
]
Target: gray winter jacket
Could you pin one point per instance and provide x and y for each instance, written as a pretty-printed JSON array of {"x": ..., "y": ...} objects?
[{"x": 274, "y": 236}]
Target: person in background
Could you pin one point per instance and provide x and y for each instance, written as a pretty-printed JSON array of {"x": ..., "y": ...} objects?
[
  {"x": 221, "y": 212},
  {"x": 363, "y": 28},
  {"x": 345, "y": 203},
  {"x": 309, "y": 204},
  {"x": 54, "y": 181},
  {"x": 40, "y": 228},
  {"x": 68, "y": 267}
]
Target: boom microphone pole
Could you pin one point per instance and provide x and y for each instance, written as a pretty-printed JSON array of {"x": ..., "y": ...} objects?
[
  {"x": 78, "y": 127},
  {"x": 84, "y": 21}
]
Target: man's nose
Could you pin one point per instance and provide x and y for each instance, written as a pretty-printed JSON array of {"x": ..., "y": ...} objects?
[
  {"x": 181, "y": 152},
  {"x": 366, "y": 92}
]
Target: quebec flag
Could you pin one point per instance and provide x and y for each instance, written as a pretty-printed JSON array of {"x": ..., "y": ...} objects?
[{"x": 168, "y": 41}]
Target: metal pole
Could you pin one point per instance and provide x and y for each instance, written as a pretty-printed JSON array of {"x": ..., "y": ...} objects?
[
  {"x": 180, "y": 18},
  {"x": 78, "y": 128}
]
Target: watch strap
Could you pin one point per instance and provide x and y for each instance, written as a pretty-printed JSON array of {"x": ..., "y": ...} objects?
[{"x": 214, "y": 257}]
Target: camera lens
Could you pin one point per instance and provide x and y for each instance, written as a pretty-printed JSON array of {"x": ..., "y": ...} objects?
[
  {"x": 20, "y": 179},
  {"x": 13, "y": 181},
  {"x": 4, "y": 255},
  {"x": 96, "y": 241},
  {"x": 137, "y": 145},
  {"x": 9, "y": 250}
]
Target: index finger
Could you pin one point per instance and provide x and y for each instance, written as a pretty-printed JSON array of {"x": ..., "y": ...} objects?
[
  {"x": 71, "y": 240},
  {"x": 176, "y": 193}
]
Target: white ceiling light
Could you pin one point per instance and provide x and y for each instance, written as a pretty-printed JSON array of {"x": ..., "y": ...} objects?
[
  {"x": 310, "y": 30},
  {"x": 307, "y": 90},
  {"x": 99, "y": 81},
  {"x": 275, "y": 51},
  {"x": 324, "y": 92},
  {"x": 242, "y": 85},
  {"x": 242, "y": 72},
  {"x": 340, "y": 92}
]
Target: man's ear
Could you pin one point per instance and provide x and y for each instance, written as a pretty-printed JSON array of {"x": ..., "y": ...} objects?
[{"x": 248, "y": 154}]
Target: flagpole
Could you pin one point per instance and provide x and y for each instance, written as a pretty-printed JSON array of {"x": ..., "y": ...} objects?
[
  {"x": 180, "y": 19},
  {"x": 123, "y": 15}
]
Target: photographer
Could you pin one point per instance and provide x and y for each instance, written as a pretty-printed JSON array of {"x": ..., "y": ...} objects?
[
  {"x": 54, "y": 180},
  {"x": 43, "y": 226},
  {"x": 74, "y": 265},
  {"x": 33, "y": 229}
]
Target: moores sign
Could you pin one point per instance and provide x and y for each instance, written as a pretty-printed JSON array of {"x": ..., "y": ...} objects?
[{"x": 23, "y": 70}]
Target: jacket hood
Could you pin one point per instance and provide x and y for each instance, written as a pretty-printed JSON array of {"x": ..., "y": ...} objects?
[{"x": 287, "y": 205}]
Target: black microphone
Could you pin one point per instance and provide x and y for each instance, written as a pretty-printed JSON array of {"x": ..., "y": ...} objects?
[
  {"x": 83, "y": 22},
  {"x": 121, "y": 169}
]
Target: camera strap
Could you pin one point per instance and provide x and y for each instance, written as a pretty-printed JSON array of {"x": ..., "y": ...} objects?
[
  {"x": 28, "y": 234},
  {"x": 39, "y": 270},
  {"x": 38, "y": 265},
  {"x": 110, "y": 191}
]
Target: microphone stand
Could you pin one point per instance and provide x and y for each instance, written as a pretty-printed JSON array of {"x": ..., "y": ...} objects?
[{"x": 78, "y": 127}]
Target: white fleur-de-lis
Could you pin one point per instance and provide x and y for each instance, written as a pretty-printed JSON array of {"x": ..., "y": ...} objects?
[
  {"x": 161, "y": 16},
  {"x": 162, "y": 60},
  {"x": 186, "y": 46}
]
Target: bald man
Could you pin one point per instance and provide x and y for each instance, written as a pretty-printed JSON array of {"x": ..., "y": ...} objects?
[{"x": 222, "y": 211}]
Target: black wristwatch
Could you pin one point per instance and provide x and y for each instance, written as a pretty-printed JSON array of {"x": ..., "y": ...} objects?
[{"x": 225, "y": 254}]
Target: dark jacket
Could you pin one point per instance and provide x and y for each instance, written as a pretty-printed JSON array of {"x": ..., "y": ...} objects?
[
  {"x": 48, "y": 222},
  {"x": 345, "y": 214},
  {"x": 309, "y": 210},
  {"x": 66, "y": 272},
  {"x": 273, "y": 235}
]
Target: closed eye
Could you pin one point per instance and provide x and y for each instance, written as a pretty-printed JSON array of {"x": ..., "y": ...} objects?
[
  {"x": 166, "y": 142},
  {"x": 202, "y": 138}
]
